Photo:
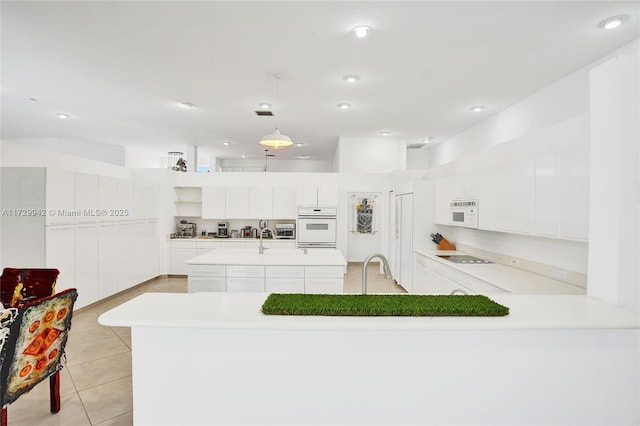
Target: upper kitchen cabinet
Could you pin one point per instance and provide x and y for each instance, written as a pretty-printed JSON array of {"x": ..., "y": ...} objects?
[
  {"x": 60, "y": 196},
  {"x": 86, "y": 198},
  {"x": 261, "y": 202},
  {"x": 107, "y": 197},
  {"x": 317, "y": 195},
  {"x": 214, "y": 202},
  {"x": 124, "y": 209},
  {"x": 237, "y": 200},
  {"x": 574, "y": 203},
  {"x": 495, "y": 194},
  {"x": 188, "y": 201},
  {"x": 547, "y": 199},
  {"x": 524, "y": 195},
  {"x": 145, "y": 201},
  {"x": 284, "y": 202},
  {"x": 446, "y": 190}
]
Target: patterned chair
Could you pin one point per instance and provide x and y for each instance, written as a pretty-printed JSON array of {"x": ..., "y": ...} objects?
[{"x": 33, "y": 333}]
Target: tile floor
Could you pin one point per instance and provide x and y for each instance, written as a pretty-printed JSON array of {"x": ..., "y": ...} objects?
[{"x": 96, "y": 383}]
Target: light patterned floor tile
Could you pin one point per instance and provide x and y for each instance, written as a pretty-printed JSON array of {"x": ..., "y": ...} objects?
[
  {"x": 101, "y": 371},
  {"x": 109, "y": 400},
  {"x": 25, "y": 412}
]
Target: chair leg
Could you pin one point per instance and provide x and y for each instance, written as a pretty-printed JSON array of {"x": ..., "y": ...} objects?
[
  {"x": 54, "y": 392},
  {"x": 3, "y": 417}
]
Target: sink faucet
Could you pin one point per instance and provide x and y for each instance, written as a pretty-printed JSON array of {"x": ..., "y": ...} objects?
[
  {"x": 385, "y": 266},
  {"x": 261, "y": 248}
]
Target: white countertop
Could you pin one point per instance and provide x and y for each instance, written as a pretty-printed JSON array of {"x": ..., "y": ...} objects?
[
  {"x": 271, "y": 257},
  {"x": 242, "y": 311},
  {"x": 270, "y": 240},
  {"x": 512, "y": 280}
]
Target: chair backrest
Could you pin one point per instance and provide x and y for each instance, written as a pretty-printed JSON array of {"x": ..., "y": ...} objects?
[
  {"x": 20, "y": 285},
  {"x": 35, "y": 344}
]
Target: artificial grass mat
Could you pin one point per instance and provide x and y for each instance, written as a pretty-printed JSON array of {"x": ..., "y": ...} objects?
[{"x": 382, "y": 305}]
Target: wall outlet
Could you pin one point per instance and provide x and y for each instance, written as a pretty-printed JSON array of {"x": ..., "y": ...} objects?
[{"x": 515, "y": 262}]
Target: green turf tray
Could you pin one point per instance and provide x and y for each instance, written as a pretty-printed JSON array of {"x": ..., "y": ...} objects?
[{"x": 382, "y": 305}]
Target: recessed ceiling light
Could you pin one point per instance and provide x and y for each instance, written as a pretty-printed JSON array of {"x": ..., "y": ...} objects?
[
  {"x": 428, "y": 140},
  {"x": 478, "y": 108},
  {"x": 385, "y": 133},
  {"x": 344, "y": 106},
  {"x": 613, "y": 22},
  {"x": 351, "y": 78},
  {"x": 302, "y": 157},
  {"x": 226, "y": 143},
  {"x": 187, "y": 105},
  {"x": 361, "y": 31},
  {"x": 243, "y": 156},
  {"x": 62, "y": 115},
  {"x": 299, "y": 144},
  {"x": 265, "y": 105}
]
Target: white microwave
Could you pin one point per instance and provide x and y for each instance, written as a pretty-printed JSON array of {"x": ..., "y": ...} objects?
[{"x": 464, "y": 213}]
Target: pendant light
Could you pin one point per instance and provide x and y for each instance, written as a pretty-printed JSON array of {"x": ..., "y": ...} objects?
[{"x": 276, "y": 140}]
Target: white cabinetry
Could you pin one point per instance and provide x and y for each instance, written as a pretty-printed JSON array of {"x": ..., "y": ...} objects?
[
  {"x": 124, "y": 200},
  {"x": 107, "y": 197},
  {"x": 446, "y": 190},
  {"x": 207, "y": 278},
  {"x": 495, "y": 193},
  {"x": 574, "y": 203},
  {"x": 237, "y": 202},
  {"x": 188, "y": 201},
  {"x": 145, "y": 250},
  {"x": 86, "y": 263},
  {"x": 60, "y": 196},
  {"x": 433, "y": 277},
  {"x": 261, "y": 202},
  {"x": 213, "y": 202},
  {"x": 60, "y": 252},
  {"x": 124, "y": 259},
  {"x": 107, "y": 259},
  {"x": 284, "y": 279},
  {"x": 323, "y": 279},
  {"x": 284, "y": 202},
  {"x": 547, "y": 203},
  {"x": 317, "y": 195},
  {"x": 179, "y": 252},
  {"x": 414, "y": 217},
  {"x": 86, "y": 198},
  {"x": 242, "y": 279},
  {"x": 524, "y": 191}
]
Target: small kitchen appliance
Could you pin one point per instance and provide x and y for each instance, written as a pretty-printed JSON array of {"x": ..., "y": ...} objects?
[
  {"x": 464, "y": 213},
  {"x": 186, "y": 229},
  {"x": 223, "y": 230},
  {"x": 247, "y": 232},
  {"x": 285, "y": 231}
]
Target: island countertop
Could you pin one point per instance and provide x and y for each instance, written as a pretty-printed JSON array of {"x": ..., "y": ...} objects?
[
  {"x": 242, "y": 311},
  {"x": 271, "y": 257}
]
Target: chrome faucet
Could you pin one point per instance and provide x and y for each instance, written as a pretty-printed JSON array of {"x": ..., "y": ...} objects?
[
  {"x": 385, "y": 266},
  {"x": 261, "y": 248}
]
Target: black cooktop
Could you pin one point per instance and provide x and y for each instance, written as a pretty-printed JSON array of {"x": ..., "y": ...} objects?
[{"x": 463, "y": 258}]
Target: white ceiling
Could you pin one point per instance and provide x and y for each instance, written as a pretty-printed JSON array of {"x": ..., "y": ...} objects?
[{"x": 120, "y": 69}]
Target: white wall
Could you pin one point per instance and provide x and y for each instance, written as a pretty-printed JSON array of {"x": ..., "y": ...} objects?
[
  {"x": 614, "y": 189},
  {"x": 417, "y": 158},
  {"x": 370, "y": 155},
  {"x": 276, "y": 165},
  {"x": 21, "y": 155},
  {"x": 92, "y": 150}
]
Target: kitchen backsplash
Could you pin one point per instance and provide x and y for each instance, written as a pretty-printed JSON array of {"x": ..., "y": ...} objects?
[{"x": 571, "y": 277}]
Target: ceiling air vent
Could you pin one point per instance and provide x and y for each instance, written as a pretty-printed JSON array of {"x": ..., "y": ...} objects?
[{"x": 264, "y": 113}]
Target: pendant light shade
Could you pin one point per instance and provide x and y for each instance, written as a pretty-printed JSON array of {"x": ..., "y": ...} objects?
[{"x": 276, "y": 140}]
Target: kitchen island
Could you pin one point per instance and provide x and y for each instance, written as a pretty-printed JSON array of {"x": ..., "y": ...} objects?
[
  {"x": 215, "y": 359},
  {"x": 273, "y": 271}
]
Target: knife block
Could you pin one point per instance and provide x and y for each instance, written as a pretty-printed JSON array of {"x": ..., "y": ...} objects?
[{"x": 445, "y": 245}]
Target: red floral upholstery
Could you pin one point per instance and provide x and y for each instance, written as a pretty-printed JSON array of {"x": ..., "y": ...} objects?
[{"x": 20, "y": 285}]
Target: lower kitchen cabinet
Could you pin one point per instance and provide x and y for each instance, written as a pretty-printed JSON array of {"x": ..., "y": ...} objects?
[
  {"x": 323, "y": 279},
  {"x": 196, "y": 284},
  {"x": 284, "y": 279},
  {"x": 245, "y": 285},
  {"x": 86, "y": 263},
  {"x": 60, "y": 254},
  {"x": 432, "y": 277},
  {"x": 107, "y": 259}
]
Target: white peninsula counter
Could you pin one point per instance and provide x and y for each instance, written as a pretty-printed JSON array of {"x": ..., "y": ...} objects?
[
  {"x": 274, "y": 271},
  {"x": 215, "y": 359}
]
